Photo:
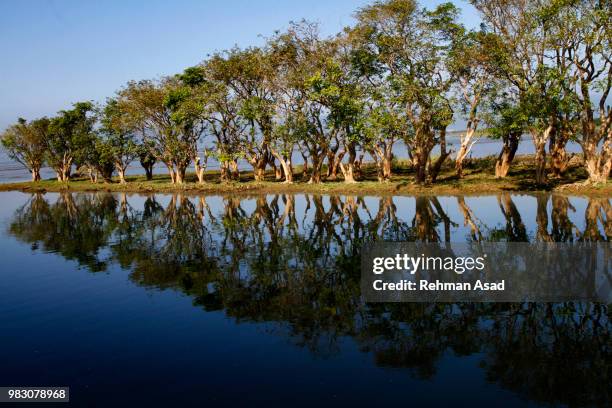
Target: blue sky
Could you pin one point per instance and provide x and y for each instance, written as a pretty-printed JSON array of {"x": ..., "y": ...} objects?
[{"x": 56, "y": 52}]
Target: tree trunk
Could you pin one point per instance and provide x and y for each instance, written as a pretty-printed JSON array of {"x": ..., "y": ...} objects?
[
  {"x": 278, "y": 172},
  {"x": 558, "y": 156},
  {"x": 420, "y": 150},
  {"x": 387, "y": 162},
  {"x": 334, "y": 165},
  {"x": 63, "y": 173},
  {"x": 383, "y": 158},
  {"x": 234, "y": 172},
  {"x": 506, "y": 156},
  {"x": 348, "y": 171},
  {"x": 148, "y": 168},
  {"x": 278, "y": 175},
  {"x": 434, "y": 169},
  {"x": 121, "y": 173},
  {"x": 539, "y": 142},
  {"x": 225, "y": 171},
  {"x": 304, "y": 166},
  {"x": 464, "y": 150},
  {"x": 180, "y": 174},
  {"x": 63, "y": 168},
  {"x": 375, "y": 153},
  {"x": 171, "y": 172},
  {"x": 331, "y": 164},
  {"x": 287, "y": 168},
  {"x": 199, "y": 170},
  {"x": 106, "y": 176},
  {"x": 259, "y": 173},
  {"x": 358, "y": 167},
  {"x": 35, "y": 174},
  {"x": 598, "y": 164},
  {"x": 285, "y": 163},
  {"x": 419, "y": 162},
  {"x": 93, "y": 174},
  {"x": 315, "y": 174},
  {"x": 540, "y": 164},
  {"x": 259, "y": 167}
]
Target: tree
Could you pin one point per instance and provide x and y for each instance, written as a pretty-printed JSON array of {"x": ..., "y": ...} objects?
[
  {"x": 306, "y": 56},
  {"x": 289, "y": 132},
  {"x": 228, "y": 127},
  {"x": 249, "y": 74},
  {"x": 474, "y": 83},
  {"x": 26, "y": 143},
  {"x": 583, "y": 33},
  {"x": 506, "y": 121},
  {"x": 146, "y": 158},
  {"x": 384, "y": 125},
  {"x": 118, "y": 137},
  {"x": 70, "y": 135},
  {"x": 220, "y": 115},
  {"x": 98, "y": 159},
  {"x": 408, "y": 48},
  {"x": 188, "y": 113},
  {"x": 523, "y": 56},
  {"x": 160, "y": 109},
  {"x": 334, "y": 86},
  {"x": 289, "y": 125}
]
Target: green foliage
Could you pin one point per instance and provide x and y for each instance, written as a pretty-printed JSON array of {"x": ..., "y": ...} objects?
[
  {"x": 408, "y": 48},
  {"x": 101, "y": 155},
  {"x": 144, "y": 151},
  {"x": 116, "y": 143},
  {"x": 339, "y": 92},
  {"x": 71, "y": 134},
  {"x": 26, "y": 142},
  {"x": 506, "y": 118}
]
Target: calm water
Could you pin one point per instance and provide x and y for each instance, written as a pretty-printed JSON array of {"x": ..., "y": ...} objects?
[{"x": 189, "y": 300}]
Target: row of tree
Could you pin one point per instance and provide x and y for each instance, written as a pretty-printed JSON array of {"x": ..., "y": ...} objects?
[{"x": 401, "y": 73}]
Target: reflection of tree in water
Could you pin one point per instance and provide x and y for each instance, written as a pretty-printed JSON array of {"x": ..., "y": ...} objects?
[
  {"x": 169, "y": 247},
  {"x": 302, "y": 271},
  {"x": 76, "y": 226},
  {"x": 514, "y": 230},
  {"x": 469, "y": 219},
  {"x": 598, "y": 215},
  {"x": 552, "y": 353},
  {"x": 428, "y": 214}
]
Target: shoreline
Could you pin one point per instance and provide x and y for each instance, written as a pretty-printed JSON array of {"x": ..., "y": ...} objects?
[{"x": 479, "y": 179}]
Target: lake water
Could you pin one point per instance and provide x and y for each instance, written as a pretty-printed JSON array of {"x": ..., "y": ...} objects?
[
  {"x": 179, "y": 300},
  {"x": 11, "y": 172}
]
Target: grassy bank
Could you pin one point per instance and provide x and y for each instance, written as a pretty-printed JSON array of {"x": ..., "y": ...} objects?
[{"x": 479, "y": 179}]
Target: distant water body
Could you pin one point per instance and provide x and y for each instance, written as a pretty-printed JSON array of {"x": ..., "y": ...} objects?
[{"x": 11, "y": 172}]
